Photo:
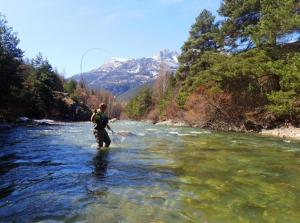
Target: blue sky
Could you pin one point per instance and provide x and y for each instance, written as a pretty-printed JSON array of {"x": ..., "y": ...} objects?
[{"x": 63, "y": 30}]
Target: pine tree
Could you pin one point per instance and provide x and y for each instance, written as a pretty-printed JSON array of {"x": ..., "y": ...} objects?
[
  {"x": 140, "y": 105},
  {"x": 70, "y": 87},
  {"x": 286, "y": 101},
  {"x": 42, "y": 84},
  {"x": 279, "y": 19},
  {"x": 10, "y": 61},
  {"x": 250, "y": 23},
  {"x": 203, "y": 37}
]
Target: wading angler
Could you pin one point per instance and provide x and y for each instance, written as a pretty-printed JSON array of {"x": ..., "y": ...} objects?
[{"x": 100, "y": 118}]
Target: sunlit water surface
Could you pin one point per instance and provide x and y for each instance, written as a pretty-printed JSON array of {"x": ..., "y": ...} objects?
[{"x": 155, "y": 174}]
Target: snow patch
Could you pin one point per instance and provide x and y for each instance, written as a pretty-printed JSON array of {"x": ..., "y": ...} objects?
[
  {"x": 135, "y": 70},
  {"x": 175, "y": 58}
]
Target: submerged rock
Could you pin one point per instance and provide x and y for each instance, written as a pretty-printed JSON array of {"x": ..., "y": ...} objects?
[{"x": 252, "y": 126}]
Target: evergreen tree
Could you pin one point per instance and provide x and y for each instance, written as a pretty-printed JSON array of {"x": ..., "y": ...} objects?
[
  {"x": 46, "y": 73},
  {"x": 140, "y": 105},
  {"x": 258, "y": 22},
  {"x": 42, "y": 83},
  {"x": 286, "y": 101},
  {"x": 10, "y": 70},
  {"x": 70, "y": 87},
  {"x": 241, "y": 19},
  {"x": 203, "y": 37},
  {"x": 278, "y": 19}
]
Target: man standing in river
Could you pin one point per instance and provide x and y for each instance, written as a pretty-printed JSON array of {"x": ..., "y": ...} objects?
[{"x": 100, "y": 119}]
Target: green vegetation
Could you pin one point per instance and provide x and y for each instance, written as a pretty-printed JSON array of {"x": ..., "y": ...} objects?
[
  {"x": 30, "y": 88},
  {"x": 70, "y": 87},
  {"x": 11, "y": 77},
  {"x": 40, "y": 85},
  {"x": 140, "y": 104},
  {"x": 286, "y": 101},
  {"x": 34, "y": 89},
  {"x": 158, "y": 97},
  {"x": 166, "y": 97},
  {"x": 247, "y": 61},
  {"x": 245, "y": 53}
]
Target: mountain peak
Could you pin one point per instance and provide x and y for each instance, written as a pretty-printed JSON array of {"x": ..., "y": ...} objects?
[
  {"x": 166, "y": 55},
  {"x": 112, "y": 64},
  {"x": 119, "y": 75}
]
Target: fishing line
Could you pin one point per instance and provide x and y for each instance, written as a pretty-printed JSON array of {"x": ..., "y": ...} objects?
[
  {"x": 81, "y": 62},
  {"x": 117, "y": 138},
  {"x": 120, "y": 136}
]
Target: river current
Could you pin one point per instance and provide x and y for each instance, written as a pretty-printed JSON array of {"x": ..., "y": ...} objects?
[{"x": 151, "y": 173}]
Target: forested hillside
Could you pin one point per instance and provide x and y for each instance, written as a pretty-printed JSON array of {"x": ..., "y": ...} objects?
[
  {"x": 34, "y": 89},
  {"x": 239, "y": 73}
]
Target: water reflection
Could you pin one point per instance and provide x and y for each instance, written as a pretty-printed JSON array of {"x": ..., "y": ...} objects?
[
  {"x": 100, "y": 162},
  {"x": 4, "y": 192},
  {"x": 7, "y": 163}
]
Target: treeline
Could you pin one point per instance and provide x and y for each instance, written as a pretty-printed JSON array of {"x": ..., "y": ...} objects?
[
  {"x": 93, "y": 98},
  {"x": 151, "y": 102},
  {"x": 34, "y": 89},
  {"x": 242, "y": 72}
]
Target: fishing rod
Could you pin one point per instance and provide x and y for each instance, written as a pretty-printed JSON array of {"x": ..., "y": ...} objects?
[{"x": 81, "y": 62}]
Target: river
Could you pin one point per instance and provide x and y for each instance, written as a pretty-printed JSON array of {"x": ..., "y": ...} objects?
[{"x": 155, "y": 174}]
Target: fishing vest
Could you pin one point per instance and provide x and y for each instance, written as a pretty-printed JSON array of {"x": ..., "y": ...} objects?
[{"x": 101, "y": 121}]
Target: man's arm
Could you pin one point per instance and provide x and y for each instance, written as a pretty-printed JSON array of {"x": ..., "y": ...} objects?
[{"x": 107, "y": 126}]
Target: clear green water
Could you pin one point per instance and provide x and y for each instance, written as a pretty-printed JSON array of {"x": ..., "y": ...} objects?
[{"x": 157, "y": 174}]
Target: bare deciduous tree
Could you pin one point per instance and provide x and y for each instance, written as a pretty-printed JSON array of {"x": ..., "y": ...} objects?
[{"x": 161, "y": 83}]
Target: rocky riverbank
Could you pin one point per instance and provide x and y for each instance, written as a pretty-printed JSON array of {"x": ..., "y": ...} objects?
[
  {"x": 292, "y": 133},
  {"x": 284, "y": 132},
  {"x": 24, "y": 121},
  {"x": 63, "y": 108}
]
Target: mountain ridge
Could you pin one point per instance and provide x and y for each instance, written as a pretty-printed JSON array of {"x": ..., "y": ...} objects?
[{"x": 119, "y": 75}]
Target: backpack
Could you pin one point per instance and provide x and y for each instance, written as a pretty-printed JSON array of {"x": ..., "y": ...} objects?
[{"x": 101, "y": 120}]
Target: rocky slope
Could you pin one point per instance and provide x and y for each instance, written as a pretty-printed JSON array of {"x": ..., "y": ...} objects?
[{"x": 122, "y": 75}]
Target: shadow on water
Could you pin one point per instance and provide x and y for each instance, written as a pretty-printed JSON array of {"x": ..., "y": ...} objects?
[
  {"x": 6, "y": 164},
  {"x": 101, "y": 162}
]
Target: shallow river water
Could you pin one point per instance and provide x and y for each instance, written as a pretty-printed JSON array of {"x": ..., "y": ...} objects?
[{"x": 155, "y": 174}]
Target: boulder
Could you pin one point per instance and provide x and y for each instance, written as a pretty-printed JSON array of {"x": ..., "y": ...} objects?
[{"x": 252, "y": 126}]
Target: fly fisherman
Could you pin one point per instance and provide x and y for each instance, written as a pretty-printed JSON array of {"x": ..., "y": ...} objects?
[{"x": 100, "y": 119}]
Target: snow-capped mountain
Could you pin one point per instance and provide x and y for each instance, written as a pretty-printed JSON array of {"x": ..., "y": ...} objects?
[{"x": 120, "y": 75}]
